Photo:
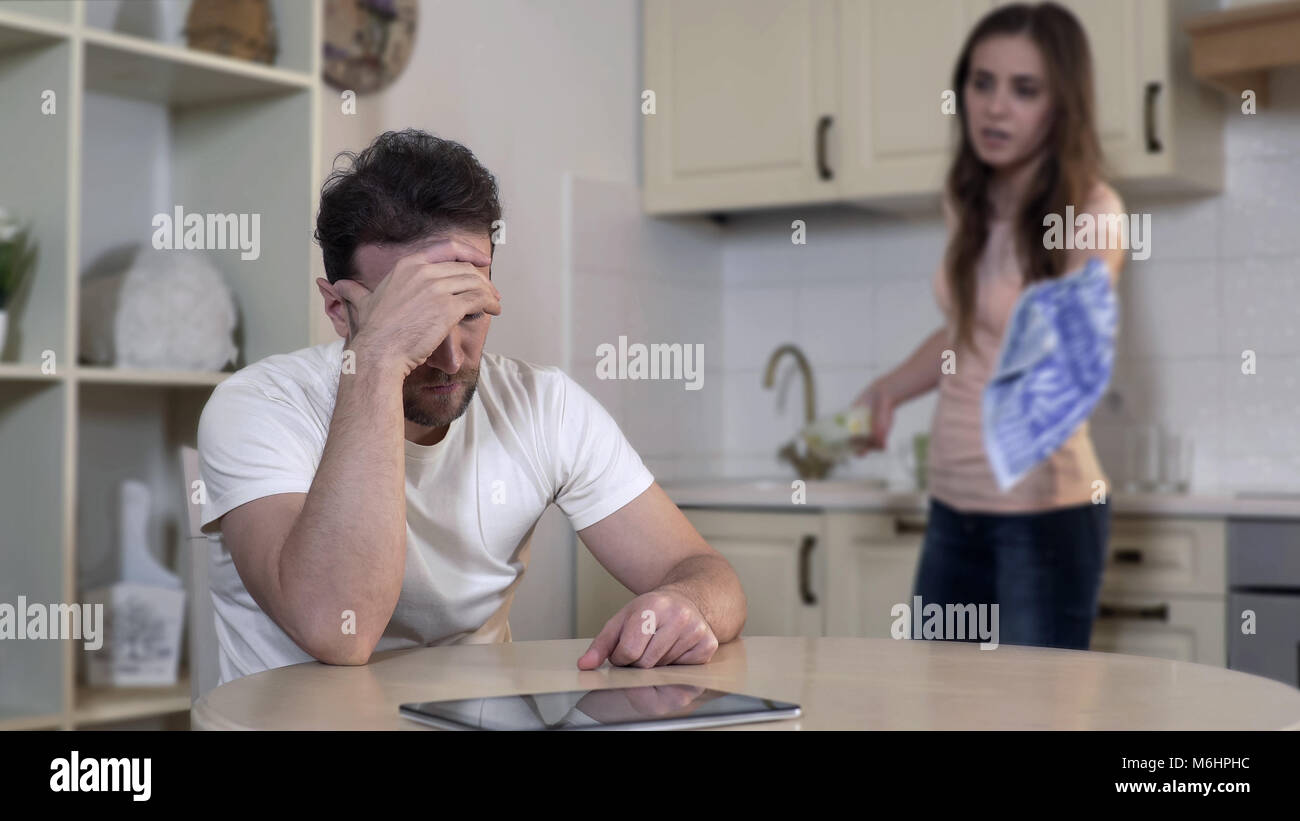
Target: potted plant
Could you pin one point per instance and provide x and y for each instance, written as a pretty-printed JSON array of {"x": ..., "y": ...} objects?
[{"x": 17, "y": 253}]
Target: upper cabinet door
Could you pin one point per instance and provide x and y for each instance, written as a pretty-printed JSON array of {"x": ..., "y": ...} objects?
[
  {"x": 1119, "y": 78},
  {"x": 745, "y": 101},
  {"x": 896, "y": 63}
]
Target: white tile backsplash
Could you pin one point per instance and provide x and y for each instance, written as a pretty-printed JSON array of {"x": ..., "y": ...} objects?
[
  {"x": 1169, "y": 308},
  {"x": 1259, "y": 305},
  {"x": 754, "y": 322},
  {"x": 1259, "y": 206},
  {"x": 835, "y": 320},
  {"x": 1260, "y": 428},
  {"x": 1181, "y": 229},
  {"x": 652, "y": 281}
]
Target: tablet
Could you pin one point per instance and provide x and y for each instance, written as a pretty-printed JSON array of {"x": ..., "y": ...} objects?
[{"x": 655, "y": 707}]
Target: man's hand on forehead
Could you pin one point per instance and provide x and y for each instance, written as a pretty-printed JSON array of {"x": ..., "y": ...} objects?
[
  {"x": 452, "y": 250},
  {"x": 427, "y": 292}
]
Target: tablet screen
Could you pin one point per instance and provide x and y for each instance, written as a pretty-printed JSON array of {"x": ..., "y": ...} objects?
[{"x": 666, "y": 706}]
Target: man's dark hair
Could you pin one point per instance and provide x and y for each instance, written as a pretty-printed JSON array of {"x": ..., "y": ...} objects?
[{"x": 405, "y": 186}]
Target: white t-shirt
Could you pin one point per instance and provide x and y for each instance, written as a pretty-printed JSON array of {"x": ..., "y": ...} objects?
[{"x": 531, "y": 436}]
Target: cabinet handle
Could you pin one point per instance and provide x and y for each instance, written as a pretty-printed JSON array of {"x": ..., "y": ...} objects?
[
  {"x": 902, "y": 526},
  {"x": 1128, "y": 555},
  {"x": 805, "y": 575},
  {"x": 823, "y": 167},
  {"x": 1159, "y": 612},
  {"x": 1153, "y": 141}
]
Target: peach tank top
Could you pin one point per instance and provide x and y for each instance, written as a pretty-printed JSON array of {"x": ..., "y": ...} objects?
[{"x": 959, "y": 474}]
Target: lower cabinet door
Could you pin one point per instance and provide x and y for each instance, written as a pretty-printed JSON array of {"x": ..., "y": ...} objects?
[
  {"x": 780, "y": 559},
  {"x": 1169, "y": 627},
  {"x": 873, "y": 557}
]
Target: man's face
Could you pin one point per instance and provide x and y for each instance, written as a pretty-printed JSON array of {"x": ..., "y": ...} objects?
[{"x": 440, "y": 390}]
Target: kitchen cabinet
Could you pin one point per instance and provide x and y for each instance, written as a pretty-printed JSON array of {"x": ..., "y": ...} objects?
[
  {"x": 1163, "y": 592},
  {"x": 1161, "y": 130},
  {"x": 893, "y": 137},
  {"x": 741, "y": 87},
  {"x": 780, "y": 559},
  {"x": 839, "y": 572},
  {"x": 874, "y": 558},
  {"x": 1177, "y": 628},
  {"x": 766, "y": 103}
]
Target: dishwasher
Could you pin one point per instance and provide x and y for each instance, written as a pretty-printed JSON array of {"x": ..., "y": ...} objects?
[{"x": 1264, "y": 579}]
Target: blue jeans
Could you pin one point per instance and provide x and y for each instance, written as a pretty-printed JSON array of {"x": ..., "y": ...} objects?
[{"x": 1043, "y": 570}]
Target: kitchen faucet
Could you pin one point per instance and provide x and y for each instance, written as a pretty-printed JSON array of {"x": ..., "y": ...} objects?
[{"x": 809, "y": 465}]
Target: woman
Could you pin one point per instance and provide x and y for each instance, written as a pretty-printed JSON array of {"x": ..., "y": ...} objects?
[{"x": 1028, "y": 148}]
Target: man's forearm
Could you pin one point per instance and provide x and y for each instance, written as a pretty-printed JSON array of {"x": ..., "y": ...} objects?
[
  {"x": 347, "y": 550},
  {"x": 713, "y": 586}
]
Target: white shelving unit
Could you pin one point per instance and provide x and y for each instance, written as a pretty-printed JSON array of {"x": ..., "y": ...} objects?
[{"x": 141, "y": 123}]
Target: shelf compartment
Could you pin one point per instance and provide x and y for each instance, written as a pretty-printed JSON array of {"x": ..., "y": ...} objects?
[
  {"x": 132, "y": 432},
  {"x": 177, "y": 77},
  {"x": 128, "y": 431},
  {"x": 55, "y": 11},
  {"x": 35, "y": 190},
  {"x": 32, "y": 418},
  {"x": 248, "y": 156},
  {"x": 162, "y": 22}
]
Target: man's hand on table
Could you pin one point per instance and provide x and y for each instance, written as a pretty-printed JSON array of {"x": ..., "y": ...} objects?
[{"x": 657, "y": 628}]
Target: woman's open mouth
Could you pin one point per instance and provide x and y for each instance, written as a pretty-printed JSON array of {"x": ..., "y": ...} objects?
[{"x": 995, "y": 137}]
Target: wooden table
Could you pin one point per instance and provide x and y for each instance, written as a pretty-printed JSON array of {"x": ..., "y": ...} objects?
[{"x": 841, "y": 683}]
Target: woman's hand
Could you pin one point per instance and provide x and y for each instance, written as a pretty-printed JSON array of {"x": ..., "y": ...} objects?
[{"x": 878, "y": 400}]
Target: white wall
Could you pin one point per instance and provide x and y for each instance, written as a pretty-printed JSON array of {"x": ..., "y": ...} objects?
[
  {"x": 535, "y": 90},
  {"x": 653, "y": 281}
]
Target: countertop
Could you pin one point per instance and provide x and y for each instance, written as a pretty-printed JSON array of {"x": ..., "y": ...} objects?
[
  {"x": 840, "y": 683},
  {"x": 865, "y": 495}
]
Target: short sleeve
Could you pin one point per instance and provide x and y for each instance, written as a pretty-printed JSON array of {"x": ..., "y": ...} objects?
[
  {"x": 597, "y": 470},
  {"x": 251, "y": 445}
]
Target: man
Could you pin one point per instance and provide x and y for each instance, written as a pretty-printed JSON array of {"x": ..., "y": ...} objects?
[{"x": 380, "y": 491}]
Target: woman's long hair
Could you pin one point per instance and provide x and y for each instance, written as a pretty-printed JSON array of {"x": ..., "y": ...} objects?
[{"x": 1070, "y": 166}]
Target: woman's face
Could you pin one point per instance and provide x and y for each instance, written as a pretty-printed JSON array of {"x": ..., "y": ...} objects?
[{"x": 1007, "y": 101}]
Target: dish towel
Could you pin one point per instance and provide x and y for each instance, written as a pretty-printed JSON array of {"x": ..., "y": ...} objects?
[{"x": 1054, "y": 365}]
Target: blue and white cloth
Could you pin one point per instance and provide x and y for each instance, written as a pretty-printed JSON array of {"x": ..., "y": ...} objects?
[{"x": 1055, "y": 363}]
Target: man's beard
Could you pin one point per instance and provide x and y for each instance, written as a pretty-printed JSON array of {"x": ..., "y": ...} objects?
[{"x": 431, "y": 409}]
